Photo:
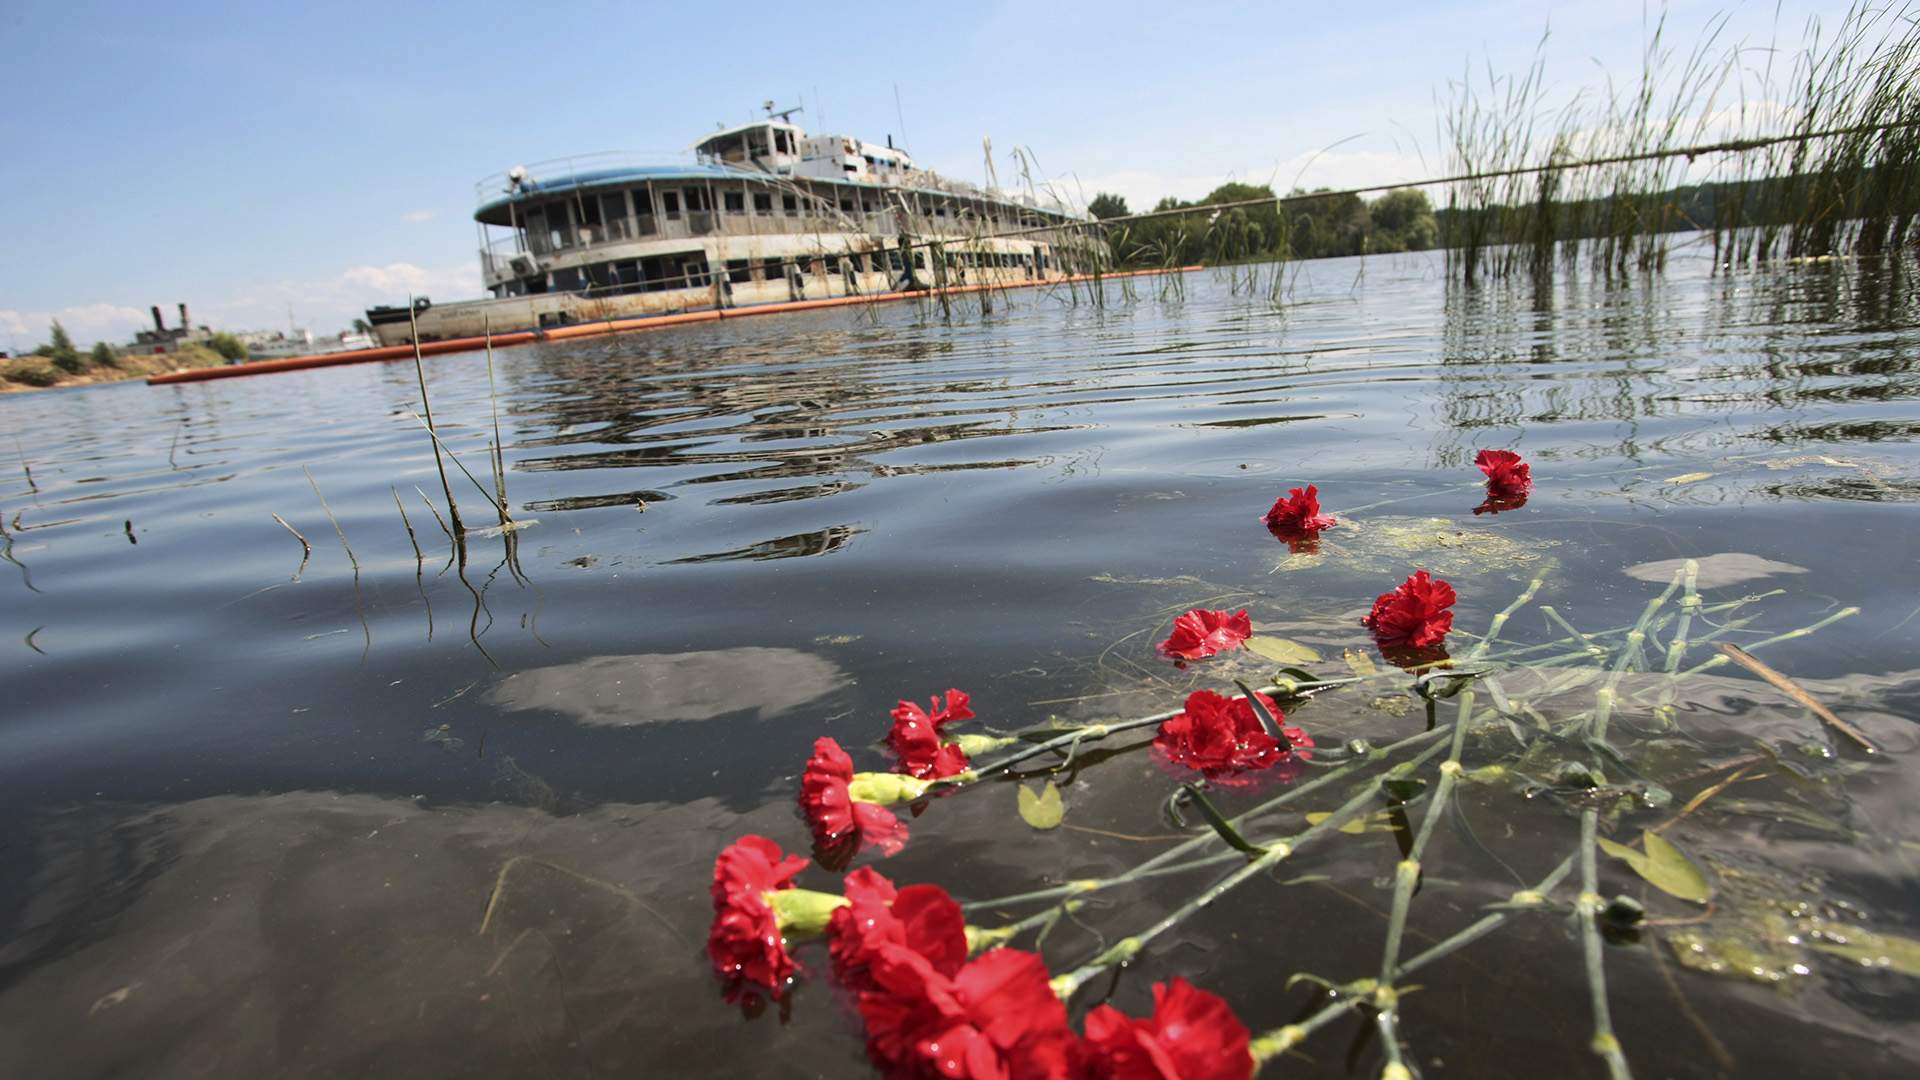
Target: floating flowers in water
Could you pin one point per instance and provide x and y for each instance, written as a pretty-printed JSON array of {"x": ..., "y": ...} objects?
[
  {"x": 1508, "y": 477},
  {"x": 1297, "y": 518},
  {"x": 1192, "y": 1035},
  {"x": 1220, "y": 736},
  {"x": 915, "y": 738},
  {"x": 847, "y": 811},
  {"x": 922, "y": 918},
  {"x": 755, "y": 906},
  {"x": 1201, "y": 633},
  {"x": 1418, "y": 613},
  {"x": 996, "y": 1017}
]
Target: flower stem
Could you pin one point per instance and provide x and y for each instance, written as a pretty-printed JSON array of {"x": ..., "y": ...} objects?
[
  {"x": 1164, "y": 863},
  {"x": 1273, "y": 1043},
  {"x": 1605, "y": 1043}
]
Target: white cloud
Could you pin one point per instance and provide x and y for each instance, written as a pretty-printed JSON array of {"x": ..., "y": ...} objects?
[
  {"x": 323, "y": 305},
  {"x": 415, "y": 217},
  {"x": 86, "y": 323}
]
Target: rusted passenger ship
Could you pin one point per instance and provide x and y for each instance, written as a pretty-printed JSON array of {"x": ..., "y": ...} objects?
[{"x": 760, "y": 213}]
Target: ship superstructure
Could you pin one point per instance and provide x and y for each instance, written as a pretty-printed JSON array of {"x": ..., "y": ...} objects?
[{"x": 758, "y": 213}]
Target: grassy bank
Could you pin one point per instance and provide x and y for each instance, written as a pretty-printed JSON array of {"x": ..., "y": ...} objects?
[{"x": 40, "y": 373}]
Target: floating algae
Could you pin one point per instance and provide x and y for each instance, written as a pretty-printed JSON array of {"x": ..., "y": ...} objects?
[{"x": 1445, "y": 547}]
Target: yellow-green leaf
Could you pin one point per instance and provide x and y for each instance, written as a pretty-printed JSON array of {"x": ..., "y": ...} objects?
[
  {"x": 1663, "y": 866},
  {"x": 1378, "y": 822},
  {"x": 1869, "y": 949},
  {"x": 1689, "y": 478},
  {"x": 1042, "y": 811},
  {"x": 1360, "y": 664},
  {"x": 1282, "y": 651}
]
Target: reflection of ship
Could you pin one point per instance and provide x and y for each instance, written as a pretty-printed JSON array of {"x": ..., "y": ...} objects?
[{"x": 762, "y": 213}]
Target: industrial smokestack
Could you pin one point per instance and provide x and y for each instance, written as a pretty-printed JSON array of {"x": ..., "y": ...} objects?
[
  {"x": 159, "y": 325},
  {"x": 185, "y": 326}
]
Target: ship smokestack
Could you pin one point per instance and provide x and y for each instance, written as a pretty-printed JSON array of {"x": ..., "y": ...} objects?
[
  {"x": 159, "y": 324},
  {"x": 185, "y": 326}
]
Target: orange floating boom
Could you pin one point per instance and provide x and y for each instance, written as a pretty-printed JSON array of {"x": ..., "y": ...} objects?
[{"x": 605, "y": 326}]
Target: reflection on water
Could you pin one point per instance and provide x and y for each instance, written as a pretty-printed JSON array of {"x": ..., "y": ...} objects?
[
  {"x": 655, "y": 689},
  {"x": 227, "y": 848}
]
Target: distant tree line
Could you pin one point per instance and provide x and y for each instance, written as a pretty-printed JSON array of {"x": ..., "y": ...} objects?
[{"x": 1309, "y": 228}]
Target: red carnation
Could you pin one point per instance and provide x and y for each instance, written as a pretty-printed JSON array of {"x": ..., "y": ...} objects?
[
  {"x": 1418, "y": 613},
  {"x": 1201, "y": 633},
  {"x": 838, "y": 821},
  {"x": 1298, "y": 515},
  {"x": 1507, "y": 476},
  {"x": 1193, "y": 1035},
  {"x": 997, "y": 1018},
  {"x": 915, "y": 738},
  {"x": 1220, "y": 736},
  {"x": 922, "y": 918},
  {"x": 746, "y": 943}
]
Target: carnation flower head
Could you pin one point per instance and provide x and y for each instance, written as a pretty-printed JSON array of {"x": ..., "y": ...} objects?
[
  {"x": 915, "y": 737},
  {"x": 1201, "y": 633},
  {"x": 1417, "y": 613},
  {"x": 1508, "y": 477},
  {"x": 996, "y": 1017},
  {"x": 1220, "y": 736},
  {"x": 746, "y": 942},
  {"x": 922, "y": 918},
  {"x": 1298, "y": 516},
  {"x": 1192, "y": 1035},
  {"x": 843, "y": 824}
]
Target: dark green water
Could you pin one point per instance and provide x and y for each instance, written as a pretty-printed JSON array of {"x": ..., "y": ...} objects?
[{"x": 265, "y": 818}]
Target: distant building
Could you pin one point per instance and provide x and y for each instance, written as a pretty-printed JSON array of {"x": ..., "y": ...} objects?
[{"x": 162, "y": 339}]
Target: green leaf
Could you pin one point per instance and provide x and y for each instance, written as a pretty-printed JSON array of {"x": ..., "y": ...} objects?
[
  {"x": 1360, "y": 664},
  {"x": 1401, "y": 790},
  {"x": 1221, "y": 825},
  {"x": 1042, "y": 811},
  {"x": 1282, "y": 651},
  {"x": 1663, "y": 866},
  {"x": 1870, "y": 949},
  {"x": 1269, "y": 723}
]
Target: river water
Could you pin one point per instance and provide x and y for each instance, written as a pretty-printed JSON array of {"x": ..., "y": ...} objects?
[{"x": 400, "y": 816}]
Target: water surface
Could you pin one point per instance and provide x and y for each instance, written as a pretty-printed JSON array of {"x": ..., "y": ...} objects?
[{"x": 262, "y": 814}]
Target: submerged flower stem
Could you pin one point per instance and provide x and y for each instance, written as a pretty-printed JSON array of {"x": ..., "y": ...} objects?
[
  {"x": 1605, "y": 1043},
  {"x": 1279, "y": 1040},
  {"x": 1273, "y": 853},
  {"x": 1714, "y": 662},
  {"x": 1407, "y": 874},
  {"x": 1165, "y": 862}
]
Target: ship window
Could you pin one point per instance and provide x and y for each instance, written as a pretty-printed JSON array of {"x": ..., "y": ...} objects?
[
  {"x": 833, "y": 266},
  {"x": 762, "y": 203},
  {"x": 697, "y": 199},
  {"x": 846, "y": 203},
  {"x": 895, "y": 261},
  {"x": 566, "y": 280},
  {"x": 939, "y": 211},
  {"x": 790, "y": 204},
  {"x": 736, "y": 202},
  {"x": 774, "y": 269},
  {"x": 670, "y": 204},
  {"x": 738, "y": 271},
  {"x": 627, "y": 273}
]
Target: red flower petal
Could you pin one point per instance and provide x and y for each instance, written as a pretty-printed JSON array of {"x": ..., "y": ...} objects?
[
  {"x": 831, "y": 812},
  {"x": 996, "y": 1018},
  {"x": 1192, "y": 1035},
  {"x": 1220, "y": 736},
  {"x": 922, "y": 918},
  {"x": 1297, "y": 516},
  {"x": 1417, "y": 613},
  {"x": 1201, "y": 633},
  {"x": 915, "y": 738},
  {"x": 1508, "y": 477},
  {"x": 745, "y": 943}
]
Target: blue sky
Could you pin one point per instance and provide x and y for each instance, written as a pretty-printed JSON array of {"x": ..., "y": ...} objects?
[{"x": 244, "y": 157}]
